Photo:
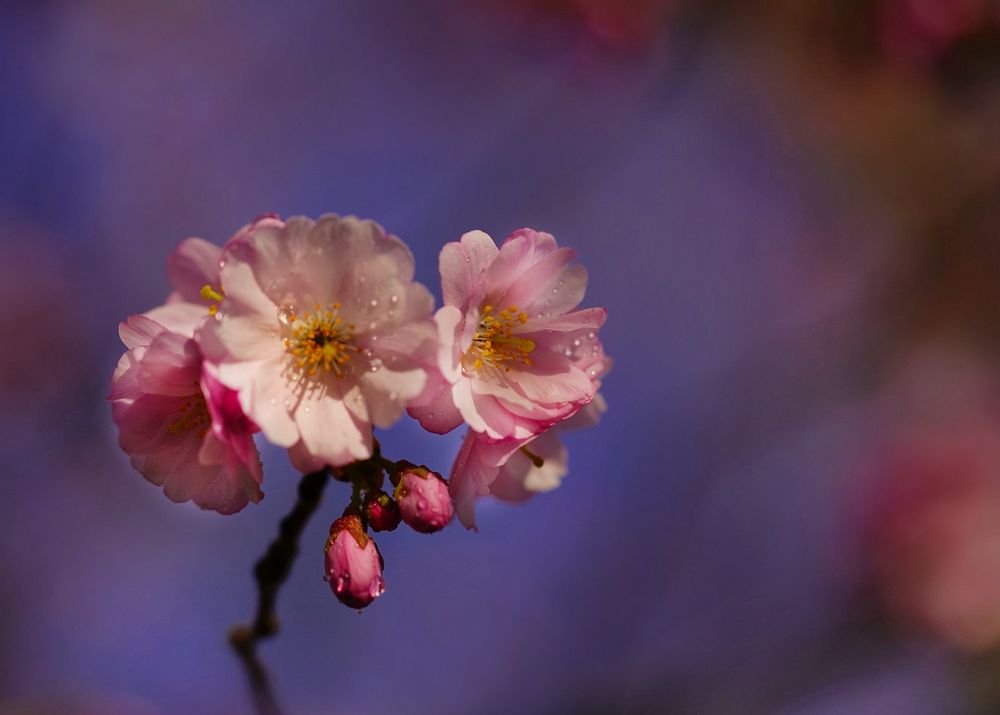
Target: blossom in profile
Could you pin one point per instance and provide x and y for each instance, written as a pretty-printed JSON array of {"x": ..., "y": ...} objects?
[
  {"x": 514, "y": 470},
  {"x": 353, "y": 563},
  {"x": 423, "y": 498},
  {"x": 182, "y": 428},
  {"x": 322, "y": 331},
  {"x": 509, "y": 338}
]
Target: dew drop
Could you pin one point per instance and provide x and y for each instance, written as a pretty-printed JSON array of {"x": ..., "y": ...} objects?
[
  {"x": 554, "y": 291},
  {"x": 594, "y": 351},
  {"x": 286, "y": 315},
  {"x": 394, "y": 299},
  {"x": 393, "y": 395},
  {"x": 273, "y": 401},
  {"x": 378, "y": 588},
  {"x": 307, "y": 409},
  {"x": 568, "y": 352},
  {"x": 373, "y": 302},
  {"x": 576, "y": 343},
  {"x": 591, "y": 335},
  {"x": 422, "y": 504}
]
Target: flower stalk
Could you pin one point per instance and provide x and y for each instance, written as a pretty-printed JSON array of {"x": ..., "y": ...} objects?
[{"x": 270, "y": 572}]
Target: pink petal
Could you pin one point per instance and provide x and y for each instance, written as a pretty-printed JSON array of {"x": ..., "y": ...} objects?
[
  {"x": 469, "y": 479},
  {"x": 180, "y": 317},
  {"x": 263, "y": 392},
  {"x": 517, "y": 254},
  {"x": 462, "y": 265},
  {"x": 449, "y": 323},
  {"x": 436, "y": 410},
  {"x": 139, "y": 330},
  {"x": 592, "y": 318},
  {"x": 329, "y": 431},
  {"x": 552, "y": 379},
  {"x": 542, "y": 282}
]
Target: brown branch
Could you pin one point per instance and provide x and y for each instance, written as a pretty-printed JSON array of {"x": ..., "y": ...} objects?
[{"x": 271, "y": 571}]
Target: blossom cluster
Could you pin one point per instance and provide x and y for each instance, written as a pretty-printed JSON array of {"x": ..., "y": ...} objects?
[{"x": 313, "y": 333}]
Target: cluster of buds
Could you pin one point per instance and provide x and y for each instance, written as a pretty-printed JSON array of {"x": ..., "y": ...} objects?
[{"x": 353, "y": 563}]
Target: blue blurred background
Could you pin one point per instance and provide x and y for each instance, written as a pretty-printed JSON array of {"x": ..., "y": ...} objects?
[{"x": 779, "y": 203}]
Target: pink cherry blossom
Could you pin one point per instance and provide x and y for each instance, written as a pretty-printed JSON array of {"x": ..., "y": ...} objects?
[
  {"x": 424, "y": 502},
  {"x": 510, "y": 338},
  {"x": 181, "y": 427},
  {"x": 514, "y": 470},
  {"x": 323, "y": 332},
  {"x": 353, "y": 563}
]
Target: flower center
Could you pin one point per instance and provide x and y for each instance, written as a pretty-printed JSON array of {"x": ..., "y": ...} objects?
[
  {"x": 194, "y": 416},
  {"x": 320, "y": 340},
  {"x": 494, "y": 343}
]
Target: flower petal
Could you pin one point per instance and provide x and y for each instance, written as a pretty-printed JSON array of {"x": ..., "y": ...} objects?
[{"x": 462, "y": 265}]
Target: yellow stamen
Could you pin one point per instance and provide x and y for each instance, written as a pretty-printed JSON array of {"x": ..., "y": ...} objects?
[
  {"x": 212, "y": 296},
  {"x": 495, "y": 344},
  {"x": 319, "y": 341}
]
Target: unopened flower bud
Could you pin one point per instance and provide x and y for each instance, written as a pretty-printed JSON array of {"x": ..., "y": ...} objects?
[
  {"x": 353, "y": 563},
  {"x": 381, "y": 512},
  {"x": 424, "y": 502}
]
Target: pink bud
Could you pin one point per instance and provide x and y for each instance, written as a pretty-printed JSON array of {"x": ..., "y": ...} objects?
[
  {"x": 381, "y": 512},
  {"x": 353, "y": 563},
  {"x": 423, "y": 499}
]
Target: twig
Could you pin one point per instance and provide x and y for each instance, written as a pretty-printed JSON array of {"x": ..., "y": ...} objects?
[{"x": 270, "y": 572}]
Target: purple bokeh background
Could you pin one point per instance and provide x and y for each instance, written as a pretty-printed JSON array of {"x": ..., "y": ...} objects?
[{"x": 696, "y": 560}]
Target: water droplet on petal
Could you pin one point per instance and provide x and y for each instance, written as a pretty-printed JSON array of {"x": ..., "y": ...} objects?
[
  {"x": 286, "y": 315},
  {"x": 568, "y": 352},
  {"x": 373, "y": 302},
  {"x": 393, "y": 395},
  {"x": 591, "y": 335},
  {"x": 576, "y": 343},
  {"x": 307, "y": 409},
  {"x": 394, "y": 299},
  {"x": 273, "y": 401}
]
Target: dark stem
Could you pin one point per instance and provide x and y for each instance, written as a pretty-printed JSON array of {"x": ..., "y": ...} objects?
[{"x": 271, "y": 571}]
